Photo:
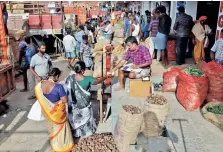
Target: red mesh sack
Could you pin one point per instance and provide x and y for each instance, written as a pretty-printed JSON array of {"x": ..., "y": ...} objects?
[
  {"x": 171, "y": 50},
  {"x": 191, "y": 91},
  {"x": 214, "y": 72},
  {"x": 170, "y": 80}
]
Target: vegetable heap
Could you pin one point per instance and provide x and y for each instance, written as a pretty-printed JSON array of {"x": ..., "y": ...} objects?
[
  {"x": 218, "y": 109},
  {"x": 192, "y": 71}
]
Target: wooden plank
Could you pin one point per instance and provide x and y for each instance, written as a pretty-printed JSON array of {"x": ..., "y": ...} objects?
[{"x": 99, "y": 97}]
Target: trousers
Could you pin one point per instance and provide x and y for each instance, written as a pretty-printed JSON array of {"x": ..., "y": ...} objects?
[
  {"x": 32, "y": 82},
  {"x": 181, "y": 47}
]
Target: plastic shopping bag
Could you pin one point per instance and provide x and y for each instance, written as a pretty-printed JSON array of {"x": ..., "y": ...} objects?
[{"x": 36, "y": 112}]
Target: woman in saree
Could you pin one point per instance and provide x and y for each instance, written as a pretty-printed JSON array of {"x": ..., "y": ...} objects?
[
  {"x": 200, "y": 31},
  {"x": 52, "y": 99},
  {"x": 80, "y": 113}
]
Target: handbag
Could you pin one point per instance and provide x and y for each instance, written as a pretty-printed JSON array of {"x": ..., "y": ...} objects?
[{"x": 35, "y": 112}]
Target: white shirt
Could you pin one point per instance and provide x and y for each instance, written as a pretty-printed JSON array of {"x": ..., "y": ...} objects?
[
  {"x": 218, "y": 49},
  {"x": 109, "y": 29},
  {"x": 92, "y": 36},
  {"x": 69, "y": 43}
]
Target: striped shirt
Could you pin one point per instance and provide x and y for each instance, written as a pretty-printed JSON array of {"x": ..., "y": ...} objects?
[
  {"x": 154, "y": 27},
  {"x": 217, "y": 48},
  {"x": 141, "y": 56}
]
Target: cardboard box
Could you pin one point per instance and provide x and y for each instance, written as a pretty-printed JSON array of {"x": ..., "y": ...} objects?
[{"x": 139, "y": 88}]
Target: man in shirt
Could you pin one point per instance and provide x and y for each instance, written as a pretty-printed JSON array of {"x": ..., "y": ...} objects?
[
  {"x": 153, "y": 29},
  {"x": 138, "y": 18},
  {"x": 78, "y": 37},
  {"x": 127, "y": 24},
  {"x": 29, "y": 53},
  {"x": 183, "y": 26},
  {"x": 40, "y": 64},
  {"x": 217, "y": 50},
  {"x": 141, "y": 59},
  {"x": 109, "y": 30},
  {"x": 123, "y": 14},
  {"x": 69, "y": 44}
]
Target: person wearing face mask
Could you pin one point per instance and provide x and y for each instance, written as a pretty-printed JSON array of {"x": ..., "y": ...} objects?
[
  {"x": 201, "y": 31},
  {"x": 85, "y": 51},
  {"x": 80, "y": 113},
  {"x": 141, "y": 59},
  {"x": 52, "y": 99},
  {"x": 40, "y": 63}
]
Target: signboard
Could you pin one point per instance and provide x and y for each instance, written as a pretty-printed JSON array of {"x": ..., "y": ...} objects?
[{"x": 220, "y": 20}]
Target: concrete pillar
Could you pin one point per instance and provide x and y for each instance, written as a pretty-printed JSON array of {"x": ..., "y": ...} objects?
[{"x": 191, "y": 8}]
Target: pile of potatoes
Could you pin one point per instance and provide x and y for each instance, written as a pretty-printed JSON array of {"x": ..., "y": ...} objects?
[
  {"x": 103, "y": 142},
  {"x": 131, "y": 109},
  {"x": 156, "y": 99}
]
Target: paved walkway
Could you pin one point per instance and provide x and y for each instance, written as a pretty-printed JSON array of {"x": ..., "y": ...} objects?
[
  {"x": 19, "y": 134},
  {"x": 192, "y": 134}
]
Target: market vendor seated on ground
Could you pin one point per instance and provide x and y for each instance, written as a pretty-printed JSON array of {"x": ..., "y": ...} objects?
[{"x": 141, "y": 59}]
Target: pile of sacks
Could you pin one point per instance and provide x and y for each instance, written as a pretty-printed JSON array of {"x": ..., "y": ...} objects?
[{"x": 132, "y": 120}]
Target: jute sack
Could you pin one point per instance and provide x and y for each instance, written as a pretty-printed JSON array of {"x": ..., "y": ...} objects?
[
  {"x": 126, "y": 129},
  {"x": 119, "y": 33},
  {"x": 98, "y": 65},
  {"x": 161, "y": 111},
  {"x": 151, "y": 125},
  {"x": 216, "y": 119},
  {"x": 117, "y": 41},
  {"x": 99, "y": 46}
]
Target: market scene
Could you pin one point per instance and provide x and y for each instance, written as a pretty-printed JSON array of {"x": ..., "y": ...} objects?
[{"x": 111, "y": 76}]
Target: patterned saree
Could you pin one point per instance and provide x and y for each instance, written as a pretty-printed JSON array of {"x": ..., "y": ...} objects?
[
  {"x": 61, "y": 139},
  {"x": 80, "y": 113}
]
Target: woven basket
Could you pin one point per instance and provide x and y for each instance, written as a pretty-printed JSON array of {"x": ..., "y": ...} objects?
[{"x": 216, "y": 119}]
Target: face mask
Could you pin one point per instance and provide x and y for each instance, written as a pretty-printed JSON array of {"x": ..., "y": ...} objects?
[{"x": 42, "y": 52}]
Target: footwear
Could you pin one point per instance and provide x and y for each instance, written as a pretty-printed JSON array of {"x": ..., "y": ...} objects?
[
  {"x": 24, "y": 90},
  {"x": 31, "y": 98}
]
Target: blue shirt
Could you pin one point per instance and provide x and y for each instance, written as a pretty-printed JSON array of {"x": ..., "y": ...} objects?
[
  {"x": 126, "y": 25},
  {"x": 30, "y": 52},
  {"x": 108, "y": 18},
  {"x": 78, "y": 36},
  {"x": 56, "y": 93}
]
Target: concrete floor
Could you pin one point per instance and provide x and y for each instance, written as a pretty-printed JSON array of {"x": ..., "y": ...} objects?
[{"x": 18, "y": 134}]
